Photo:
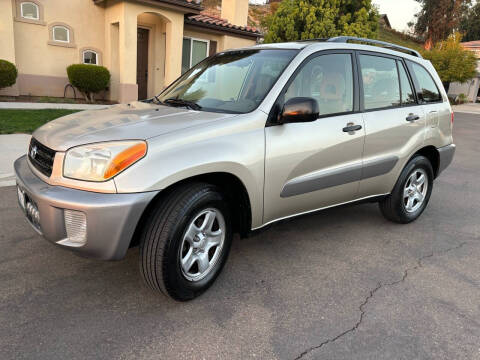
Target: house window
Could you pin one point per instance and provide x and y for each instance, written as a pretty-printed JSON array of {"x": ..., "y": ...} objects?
[
  {"x": 193, "y": 51},
  {"x": 90, "y": 57},
  {"x": 61, "y": 34},
  {"x": 30, "y": 11}
]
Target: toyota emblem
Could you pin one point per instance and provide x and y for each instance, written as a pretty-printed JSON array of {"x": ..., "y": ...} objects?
[{"x": 33, "y": 152}]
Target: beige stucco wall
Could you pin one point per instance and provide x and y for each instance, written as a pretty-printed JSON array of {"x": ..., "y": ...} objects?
[
  {"x": 38, "y": 61},
  {"x": 110, "y": 29},
  {"x": 7, "y": 40}
]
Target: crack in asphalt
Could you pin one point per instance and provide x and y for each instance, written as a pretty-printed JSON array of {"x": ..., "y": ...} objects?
[{"x": 372, "y": 293}]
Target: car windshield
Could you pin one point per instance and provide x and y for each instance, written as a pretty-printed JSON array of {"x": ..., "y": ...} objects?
[{"x": 232, "y": 82}]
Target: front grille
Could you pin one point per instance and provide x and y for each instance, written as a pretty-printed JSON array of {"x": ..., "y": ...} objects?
[{"x": 41, "y": 157}]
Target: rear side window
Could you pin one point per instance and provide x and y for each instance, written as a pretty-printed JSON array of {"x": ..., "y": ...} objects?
[
  {"x": 408, "y": 96},
  {"x": 381, "y": 88},
  {"x": 428, "y": 90}
]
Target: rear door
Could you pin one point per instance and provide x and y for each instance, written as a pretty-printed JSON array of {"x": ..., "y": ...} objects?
[
  {"x": 316, "y": 164},
  {"x": 394, "y": 122},
  {"x": 436, "y": 108}
]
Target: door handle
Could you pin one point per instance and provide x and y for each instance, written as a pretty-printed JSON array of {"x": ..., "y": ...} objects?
[
  {"x": 351, "y": 127},
  {"x": 412, "y": 117}
]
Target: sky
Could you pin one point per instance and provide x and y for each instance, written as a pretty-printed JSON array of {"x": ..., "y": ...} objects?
[{"x": 399, "y": 12}]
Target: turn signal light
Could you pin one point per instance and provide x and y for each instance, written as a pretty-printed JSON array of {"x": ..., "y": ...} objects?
[{"x": 124, "y": 159}]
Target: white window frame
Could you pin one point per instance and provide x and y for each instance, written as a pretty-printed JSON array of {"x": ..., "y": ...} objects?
[
  {"x": 61, "y": 41},
  {"x": 28, "y": 17},
  {"x": 191, "y": 48},
  {"x": 96, "y": 57}
]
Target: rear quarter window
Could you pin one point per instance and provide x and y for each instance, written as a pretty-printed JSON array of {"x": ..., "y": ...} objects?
[{"x": 427, "y": 88}]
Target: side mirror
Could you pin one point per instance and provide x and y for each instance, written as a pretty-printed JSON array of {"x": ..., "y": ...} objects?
[{"x": 299, "y": 109}]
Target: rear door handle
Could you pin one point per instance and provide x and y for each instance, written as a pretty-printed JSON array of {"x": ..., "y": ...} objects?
[
  {"x": 412, "y": 117},
  {"x": 350, "y": 127}
]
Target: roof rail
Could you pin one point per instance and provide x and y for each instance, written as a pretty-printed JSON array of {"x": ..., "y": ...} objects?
[{"x": 345, "y": 39}]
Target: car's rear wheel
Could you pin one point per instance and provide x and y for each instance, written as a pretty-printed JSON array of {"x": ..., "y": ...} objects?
[
  {"x": 411, "y": 193},
  {"x": 186, "y": 241}
]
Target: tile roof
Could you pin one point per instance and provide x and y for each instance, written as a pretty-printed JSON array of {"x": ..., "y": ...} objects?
[
  {"x": 204, "y": 19},
  {"x": 191, "y": 4}
]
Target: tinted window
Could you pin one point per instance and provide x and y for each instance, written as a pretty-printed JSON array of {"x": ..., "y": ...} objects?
[
  {"x": 380, "y": 82},
  {"x": 408, "y": 96},
  {"x": 233, "y": 81},
  {"x": 329, "y": 80},
  {"x": 428, "y": 89}
]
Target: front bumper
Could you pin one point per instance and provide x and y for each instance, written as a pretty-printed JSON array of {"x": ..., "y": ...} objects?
[
  {"x": 446, "y": 154},
  {"x": 110, "y": 219}
]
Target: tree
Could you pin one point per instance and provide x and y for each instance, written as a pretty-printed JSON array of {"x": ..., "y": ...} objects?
[
  {"x": 438, "y": 19},
  {"x": 308, "y": 19},
  {"x": 452, "y": 61},
  {"x": 470, "y": 24}
]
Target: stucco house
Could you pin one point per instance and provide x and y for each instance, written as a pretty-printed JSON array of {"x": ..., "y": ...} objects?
[
  {"x": 146, "y": 44},
  {"x": 471, "y": 88}
]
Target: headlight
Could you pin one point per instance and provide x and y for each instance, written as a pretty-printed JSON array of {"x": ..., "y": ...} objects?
[{"x": 102, "y": 161}]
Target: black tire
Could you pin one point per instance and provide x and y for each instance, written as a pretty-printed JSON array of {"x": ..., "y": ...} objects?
[
  {"x": 393, "y": 207},
  {"x": 163, "y": 234}
]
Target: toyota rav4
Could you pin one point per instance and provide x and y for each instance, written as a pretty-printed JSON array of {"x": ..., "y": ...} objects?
[{"x": 244, "y": 138}]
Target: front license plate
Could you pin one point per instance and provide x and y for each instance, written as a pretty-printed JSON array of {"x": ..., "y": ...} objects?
[{"x": 21, "y": 197}]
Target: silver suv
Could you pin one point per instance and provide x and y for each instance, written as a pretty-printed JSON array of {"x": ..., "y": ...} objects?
[{"x": 243, "y": 139}]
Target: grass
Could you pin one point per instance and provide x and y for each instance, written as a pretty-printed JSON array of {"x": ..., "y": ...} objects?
[
  {"x": 26, "y": 121},
  {"x": 398, "y": 38}
]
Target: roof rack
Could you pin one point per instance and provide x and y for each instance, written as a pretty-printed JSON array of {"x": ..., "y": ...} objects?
[{"x": 345, "y": 39}]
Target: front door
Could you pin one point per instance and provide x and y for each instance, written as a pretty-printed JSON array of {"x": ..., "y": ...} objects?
[
  {"x": 142, "y": 62},
  {"x": 316, "y": 164}
]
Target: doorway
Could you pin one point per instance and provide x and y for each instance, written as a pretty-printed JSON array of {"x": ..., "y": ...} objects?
[{"x": 142, "y": 62}]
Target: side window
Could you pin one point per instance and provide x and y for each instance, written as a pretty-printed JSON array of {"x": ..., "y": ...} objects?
[
  {"x": 329, "y": 80},
  {"x": 381, "y": 88},
  {"x": 90, "y": 57},
  {"x": 408, "y": 96},
  {"x": 428, "y": 89}
]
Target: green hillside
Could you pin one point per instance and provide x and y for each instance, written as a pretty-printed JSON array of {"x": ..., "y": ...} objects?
[{"x": 399, "y": 38}]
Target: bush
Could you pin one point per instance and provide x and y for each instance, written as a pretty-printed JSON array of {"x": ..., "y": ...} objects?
[
  {"x": 8, "y": 74},
  {"x": 89, "y": 79}
]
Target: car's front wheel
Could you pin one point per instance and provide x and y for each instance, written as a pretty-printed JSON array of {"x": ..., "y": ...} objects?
[
  {"x": 186, "y": 241},
  {"x": 411, "y": 193}
]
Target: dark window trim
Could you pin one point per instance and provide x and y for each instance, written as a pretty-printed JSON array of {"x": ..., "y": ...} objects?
[
  {"x": 271, "y": 120},
  {"x": 401, "y": 62},
  {"x": 418, "y": 90}
]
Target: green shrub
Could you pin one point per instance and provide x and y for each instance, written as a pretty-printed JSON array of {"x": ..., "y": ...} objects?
[
  {"x": 8, "y": 74},
  {"x": 89, "y": 79}
]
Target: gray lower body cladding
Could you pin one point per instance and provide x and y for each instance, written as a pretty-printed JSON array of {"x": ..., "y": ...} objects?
[
  {"x": 345, "y": 175},
  {"x": 446, "y": 154},
  {"x": 111, "y": 219}
]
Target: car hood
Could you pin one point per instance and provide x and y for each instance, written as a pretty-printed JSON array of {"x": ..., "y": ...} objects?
[{"x": 137, "y": 120}]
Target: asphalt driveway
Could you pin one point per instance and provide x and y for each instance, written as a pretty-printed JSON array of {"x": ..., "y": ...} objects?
[{"x": 339, "y": 284}]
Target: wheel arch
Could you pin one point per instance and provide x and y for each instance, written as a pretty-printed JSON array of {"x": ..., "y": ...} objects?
[
  {"x": 232, "y": 188},
  {"x": 432, "y": 154}
]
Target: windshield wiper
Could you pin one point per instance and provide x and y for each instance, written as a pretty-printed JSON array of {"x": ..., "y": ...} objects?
[{"x": 181, "y": 102}]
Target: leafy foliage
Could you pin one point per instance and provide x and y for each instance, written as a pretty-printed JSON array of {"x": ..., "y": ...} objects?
[
  {"x": 437, "y": 19},
  {"x": 452, "y": 62},
  {"x": 307, "y": 19},
  {"x": 89, "y": 79},
  {"x": 8, "y": 74},
  {"x": 470, "y": 24}
]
